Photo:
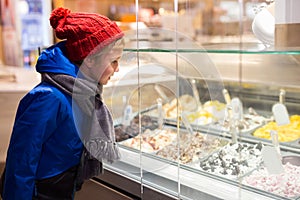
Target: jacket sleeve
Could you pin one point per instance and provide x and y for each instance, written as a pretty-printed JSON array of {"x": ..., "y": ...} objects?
[{"x": 36, "y": 119}]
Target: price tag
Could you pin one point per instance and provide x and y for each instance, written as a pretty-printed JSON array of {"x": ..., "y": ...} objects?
[
  {"x": 237, "y": 109},
  {"x": 280, "y": 114},
  {"x": 272, "y": 160},
  {"x": 127, "y": 115}
]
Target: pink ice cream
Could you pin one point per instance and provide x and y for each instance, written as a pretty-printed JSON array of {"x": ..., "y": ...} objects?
[{"x": 286, "y": 184}]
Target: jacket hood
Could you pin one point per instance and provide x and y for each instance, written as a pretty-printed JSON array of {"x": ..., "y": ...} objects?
[{"x": 54, "y": 60}]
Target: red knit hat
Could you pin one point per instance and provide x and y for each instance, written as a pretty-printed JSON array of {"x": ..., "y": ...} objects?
[{"x": 83, "y": 31}]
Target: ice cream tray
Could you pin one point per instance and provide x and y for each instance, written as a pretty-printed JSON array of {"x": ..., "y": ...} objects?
[
  {"x": 244, "y": 127},
  {"x": 193, "y": 148},
  {"x": 131, "y": 130},
  {"x": 288, "y": 134},
  {"x": 226, "y": 164},
  {"x": 286, "y": 158},
  {"x": 151, "y": 141},
  {"x": 220, "y": 127},
  {"x": 150, "y": 131},
  {"x": 293, "y": 144}
]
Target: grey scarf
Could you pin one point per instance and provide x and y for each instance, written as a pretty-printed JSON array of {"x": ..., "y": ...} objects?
[{"x": 99, "y": 140}]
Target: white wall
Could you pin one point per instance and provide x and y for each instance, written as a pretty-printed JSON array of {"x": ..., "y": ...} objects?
[{"x": 8, "y": 106}]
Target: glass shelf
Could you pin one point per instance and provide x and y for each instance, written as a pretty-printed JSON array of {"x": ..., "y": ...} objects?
[{"x": 248, "y": 48}]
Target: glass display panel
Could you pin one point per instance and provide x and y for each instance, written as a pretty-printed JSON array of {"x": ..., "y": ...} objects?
[{"x": 200, "y": 85}]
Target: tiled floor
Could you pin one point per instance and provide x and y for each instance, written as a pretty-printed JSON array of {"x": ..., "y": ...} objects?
[{"x": 95, "y": 191}]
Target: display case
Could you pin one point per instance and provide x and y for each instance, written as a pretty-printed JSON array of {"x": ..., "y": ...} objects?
[
  {"x": 193, "y": 104},
  {"x": 199, "y": 120},
  {"x": 150, "y": 152}
]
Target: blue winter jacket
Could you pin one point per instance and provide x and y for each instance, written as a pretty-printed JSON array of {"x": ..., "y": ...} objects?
[{"x": 44, "y": 140}]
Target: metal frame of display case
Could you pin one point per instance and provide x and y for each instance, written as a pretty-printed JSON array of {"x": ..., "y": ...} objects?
[{"x": 202, "y": 185}]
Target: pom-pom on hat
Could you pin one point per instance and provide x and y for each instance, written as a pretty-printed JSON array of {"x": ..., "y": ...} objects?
[{"x": 84, "y": 32}]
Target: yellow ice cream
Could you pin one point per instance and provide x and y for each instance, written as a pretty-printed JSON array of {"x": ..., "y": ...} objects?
[{"x": 286, "y": 133}]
